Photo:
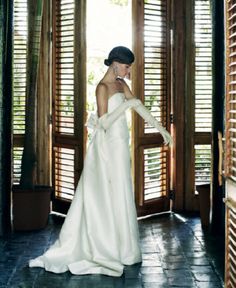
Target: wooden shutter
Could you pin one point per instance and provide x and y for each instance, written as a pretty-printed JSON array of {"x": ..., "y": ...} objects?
[
  {"x": 231, "y": 91},
  {"x": 151, "y": 83},
  {"x": 203, "y": 90},
  {"x": 19, "y": 82},
  {"x": 230, "y": 245},
  {"x": 69, "y": 79},
  {"x": 230, "y": 148},
  {"x": 202, "y": 164}
]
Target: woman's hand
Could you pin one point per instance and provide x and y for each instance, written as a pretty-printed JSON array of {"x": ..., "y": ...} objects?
[{"x": 128, "y": 93}]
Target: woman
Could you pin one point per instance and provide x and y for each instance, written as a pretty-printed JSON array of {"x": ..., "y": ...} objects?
[{"x": 100, "y": 232}]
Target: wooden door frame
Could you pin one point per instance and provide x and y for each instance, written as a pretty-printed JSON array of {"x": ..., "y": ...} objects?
[
  {"x": 139, "y": 140},
  {"x": 78, "y": 140},
  {"x": 179, "y": 92},
  {"x": 184, "y": 134}
]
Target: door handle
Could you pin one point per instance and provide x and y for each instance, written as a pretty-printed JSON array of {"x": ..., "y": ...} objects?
[{"x": 220, "y": 162}]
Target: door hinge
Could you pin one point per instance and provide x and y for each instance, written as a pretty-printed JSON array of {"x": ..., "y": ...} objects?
[
  {"x": 50, "y": 36},
  {"x": 172, "y": 194},
  {"x": 50, "y": 119},
  {"x": 171, "y": 118}
]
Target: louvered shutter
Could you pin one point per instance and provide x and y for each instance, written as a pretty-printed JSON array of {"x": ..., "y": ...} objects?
[
  {"x": 64, "y": 98},
  {"x": 64, "y": 68},
  {"x": 230, "y": 147},
  {"x": 203, "y": 90},
  {"x": 231, "y": 92},
  {"x": 19, "y": 83},
  {"x": 68, "y": 107},
  {"x": 230, "y": 264},
  {"x": 151, "y": 85}
]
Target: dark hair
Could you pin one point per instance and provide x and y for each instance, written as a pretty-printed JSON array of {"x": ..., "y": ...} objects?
[{"x": 120, "y": 54}]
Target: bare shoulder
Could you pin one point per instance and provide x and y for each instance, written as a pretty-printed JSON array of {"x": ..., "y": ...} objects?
[{"x": 101, "y": 90}]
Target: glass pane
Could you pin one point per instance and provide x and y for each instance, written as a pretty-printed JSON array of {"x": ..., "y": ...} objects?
[
  {"x": 202, "y": 164},
  {"x": 64, "y": 91},
  {"x": 17, "y": 156},
  {"x": 102, "y": 36},
  {"x": 155, "y": 60},
  {"x": 155, "y": 185},
  {"x": 19, "y": 65},
  {"x": 203, "y": 66},
  {"x": 64, "y": 172}
]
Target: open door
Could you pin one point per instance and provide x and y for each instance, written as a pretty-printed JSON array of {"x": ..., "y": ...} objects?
[
  {"x": 230, "y": 141},
  {"x": 151, "y": 83},
  {"x": 151, "y": 77},
  {"x": 68, "y": 98}
]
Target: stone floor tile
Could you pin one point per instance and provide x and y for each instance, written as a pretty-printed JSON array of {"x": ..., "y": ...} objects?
[
  {"x": 195, "y": 254},
  {"x": 209, "y": 277},
  {"x": 202, "y": 269},
  {"x": 198, "y": 261},
  {"x": 155, "y": 278},
  {"x": 151, "y": 263},
  {"x": 152, "y": 269},
  {"x": 175, "y": 265},
  {"x": 181, "y": 281},
  {"x": 132, "y": 283},
  {"x": 155, "y": 285},
  {"x": 172, "y": 251},
  {"x": 173, "y": 258},
  {"x": 149, "y": 247},
  {"x": 151, "y": 256},
  {"x": 209, "y": 285},
  {"x": 181, "y": 273}
]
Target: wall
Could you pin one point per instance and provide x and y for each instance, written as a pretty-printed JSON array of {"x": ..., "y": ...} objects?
[{"x": 5, "y": 112}]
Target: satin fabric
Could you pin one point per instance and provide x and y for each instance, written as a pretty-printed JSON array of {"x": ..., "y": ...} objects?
[{"x": 100, "y": 232}]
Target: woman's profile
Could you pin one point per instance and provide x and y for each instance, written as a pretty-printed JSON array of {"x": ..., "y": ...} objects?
[{"x": 100, "y": 232}]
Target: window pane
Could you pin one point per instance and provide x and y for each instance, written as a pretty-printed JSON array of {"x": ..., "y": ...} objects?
[
  {"x": 64, "y": 67},
  {"x": 202, "y": 164},
  {"x": 19, "y": 79},
  {"x": 203, "y": 66},
  {"x": 17, "y": 156},
  {"x": 155, "y": 60},
  {"x": 155, "y": 166},
  {"x": 64, "y": 172},
  {"x": 19, "y": 65}
]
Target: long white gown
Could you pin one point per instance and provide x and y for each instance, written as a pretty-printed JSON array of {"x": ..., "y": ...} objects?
[{"x": 100, "y": 232}]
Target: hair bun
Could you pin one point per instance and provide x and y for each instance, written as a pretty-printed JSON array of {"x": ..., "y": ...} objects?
[
  {"x": 120, "y": 54},
  {"x": 107, "y": 62}
]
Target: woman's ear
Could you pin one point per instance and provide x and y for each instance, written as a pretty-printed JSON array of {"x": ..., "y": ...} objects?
[{"x": 115, "y": 68}]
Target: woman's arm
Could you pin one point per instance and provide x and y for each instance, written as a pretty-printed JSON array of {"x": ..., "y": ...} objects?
[
  {"x": 145, "y": 113},
  {"x": 102, "y": 99}
]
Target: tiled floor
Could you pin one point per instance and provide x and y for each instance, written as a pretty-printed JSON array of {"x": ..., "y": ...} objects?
[{"x": 176, "y": 253}]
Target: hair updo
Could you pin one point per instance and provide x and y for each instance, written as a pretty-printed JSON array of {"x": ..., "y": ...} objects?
[{"x": 120, "y": 54}]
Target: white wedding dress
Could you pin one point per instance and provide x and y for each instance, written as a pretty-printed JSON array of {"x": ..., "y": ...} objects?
[{"x": 100, "y": 232}]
